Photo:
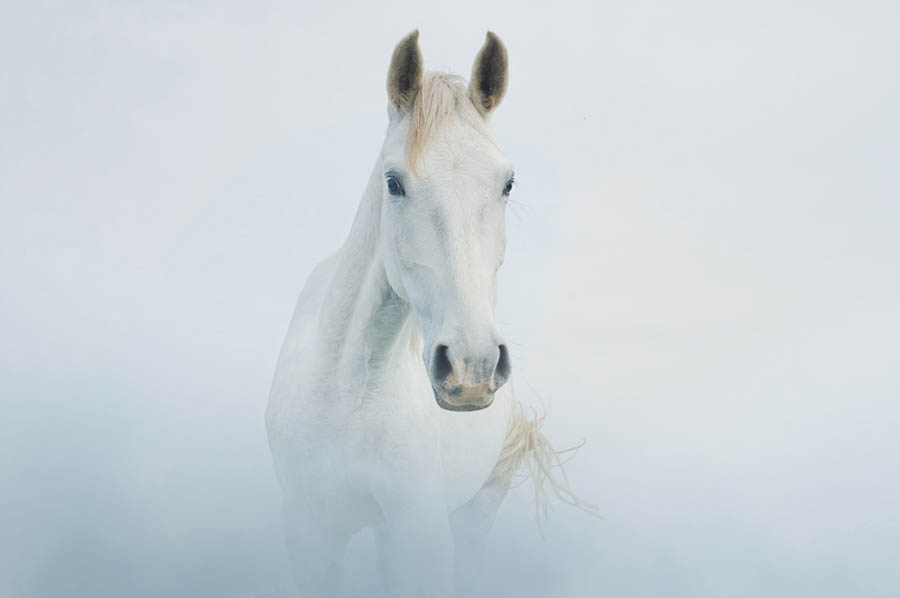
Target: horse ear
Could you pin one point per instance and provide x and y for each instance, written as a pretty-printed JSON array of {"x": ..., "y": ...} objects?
[
  {"x": 490, "y": 74},
  {"x": 405, "y": 74}
]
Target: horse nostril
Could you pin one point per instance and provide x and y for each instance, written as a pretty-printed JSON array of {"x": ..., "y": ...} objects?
[
  {"x": 441, "y": 366},
  {"x": 503, "y": 369}
]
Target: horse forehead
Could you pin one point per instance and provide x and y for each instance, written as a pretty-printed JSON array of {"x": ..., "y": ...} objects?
[
  {"x": 464, "y": 165},
  {"x": 459, "y": 170},
  {"x": 459, "y": 147},
  {"x": 463, "y": 145}
]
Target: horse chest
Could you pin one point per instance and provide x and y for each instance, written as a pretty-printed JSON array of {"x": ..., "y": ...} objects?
[
  {"x": 462, "y": 446},
  {"x": 470, "y": 445}
]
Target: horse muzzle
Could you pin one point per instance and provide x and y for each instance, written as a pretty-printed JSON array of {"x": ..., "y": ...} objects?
[{"x": 464, "y": 398}]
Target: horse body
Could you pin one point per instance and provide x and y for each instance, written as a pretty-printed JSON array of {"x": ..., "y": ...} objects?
[{"x": 388, "y": 407}]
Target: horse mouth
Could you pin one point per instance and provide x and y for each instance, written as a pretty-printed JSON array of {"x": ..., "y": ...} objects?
[{"x": 450, "y": 400}]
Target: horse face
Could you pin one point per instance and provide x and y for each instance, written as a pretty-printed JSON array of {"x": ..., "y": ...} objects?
[{"x": 443, "y": 231}]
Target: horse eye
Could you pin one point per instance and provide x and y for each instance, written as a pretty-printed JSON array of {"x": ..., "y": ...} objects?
[
  {"x": 508, "y": 188},
  {"x": 394, "y": 186}
]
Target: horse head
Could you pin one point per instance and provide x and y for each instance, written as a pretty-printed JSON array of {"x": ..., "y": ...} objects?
[{"x": 446, "y": 185}]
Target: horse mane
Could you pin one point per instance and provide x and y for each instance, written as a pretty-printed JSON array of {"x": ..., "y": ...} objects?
[{"x": 439, "y": 96}]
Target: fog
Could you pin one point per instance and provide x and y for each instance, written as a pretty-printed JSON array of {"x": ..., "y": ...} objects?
[{"x": 701, "y": 283}]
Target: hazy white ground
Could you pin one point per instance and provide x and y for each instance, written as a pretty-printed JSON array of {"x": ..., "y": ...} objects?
[{"x": 702, "y": 281}]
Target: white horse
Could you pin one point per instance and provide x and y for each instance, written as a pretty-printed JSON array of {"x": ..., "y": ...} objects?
[{"x": 389, "y": 407}]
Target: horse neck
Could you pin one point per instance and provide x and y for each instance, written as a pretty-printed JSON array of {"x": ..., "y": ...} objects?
[{"x": 362, "y": 317}]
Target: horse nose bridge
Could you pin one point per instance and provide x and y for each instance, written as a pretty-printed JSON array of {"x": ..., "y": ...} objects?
[{"x": 463, "y": 241}]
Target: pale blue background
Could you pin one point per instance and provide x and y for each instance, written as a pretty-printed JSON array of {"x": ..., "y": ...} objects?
[{"x": 702, "y": 282}]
